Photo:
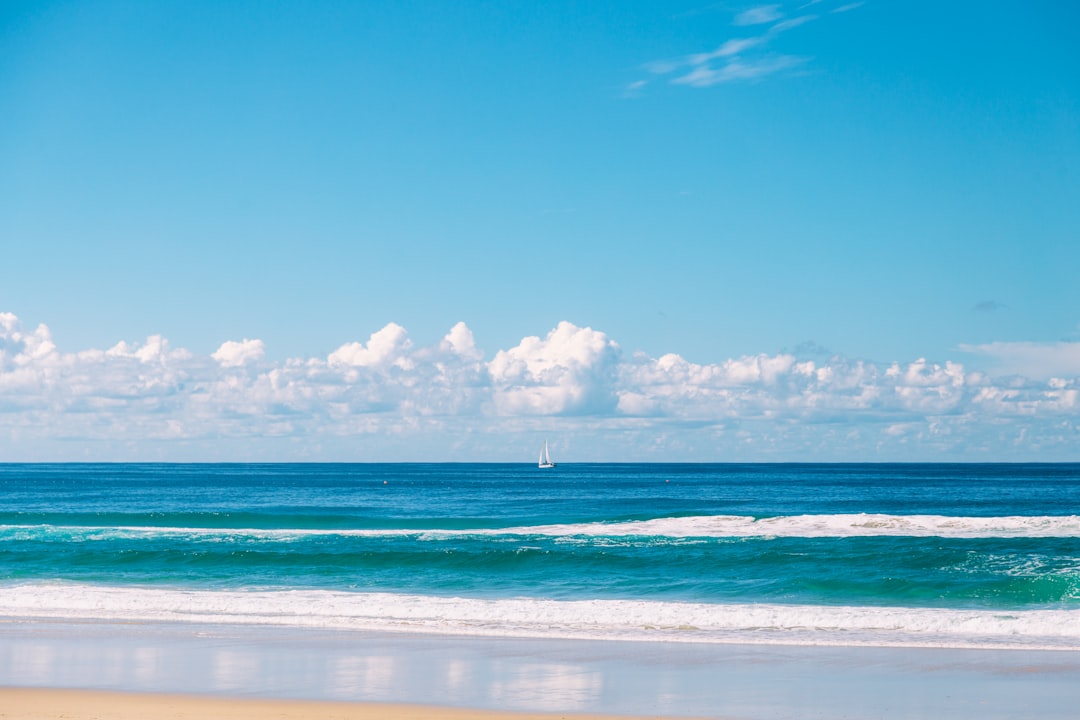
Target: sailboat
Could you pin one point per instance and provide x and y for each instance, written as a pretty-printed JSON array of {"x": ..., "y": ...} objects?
[{"x": 545, "y": 458}]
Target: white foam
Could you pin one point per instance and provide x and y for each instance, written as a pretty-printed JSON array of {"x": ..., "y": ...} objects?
[
  {"x": 703, "y": 526},
  {"x": 850, "y": 525},
  {"x": 528, "y": 617}
]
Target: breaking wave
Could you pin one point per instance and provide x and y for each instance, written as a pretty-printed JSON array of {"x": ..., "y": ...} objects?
[{"x": 754, "y": 623}]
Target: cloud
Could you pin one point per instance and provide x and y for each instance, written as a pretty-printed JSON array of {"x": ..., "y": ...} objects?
[
  {"x": 746, "y": 58},
  {"x": 633, "y": 90},
  {"x": 848, "y": 7},
  {"x": 791, "y": 24},
  {"x": 570, "y": 371},
  {"x": 236, "y": 354},
  {"x": 729, "y": 48},
  {"x": 989, "y": 306},
  {"x": 1032, "y": 360},
  {"x": 459, "y": 341},
  {"x": 759, "y": 15},
  {"x": 384, "y": 346},
  {"x": 704, "y": 76},
  {"x": 390, "y": 398}
]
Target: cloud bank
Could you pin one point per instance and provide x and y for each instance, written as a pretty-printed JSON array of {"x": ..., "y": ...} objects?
[{"x": 390, "y": 399}]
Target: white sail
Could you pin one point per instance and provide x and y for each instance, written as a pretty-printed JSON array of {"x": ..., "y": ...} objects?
[{"x": 545, "y": 457}]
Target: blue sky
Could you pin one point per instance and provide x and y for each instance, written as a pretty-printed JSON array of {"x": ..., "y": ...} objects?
[{"x": 852, "y": 185}]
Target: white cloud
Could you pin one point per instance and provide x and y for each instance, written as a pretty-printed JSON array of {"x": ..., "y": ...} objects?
[
  {"x": 19, "y": 348},
  {"x": 383, "y": 346},
  {"x": 154, "y": 350},
  {"x": 236, "y": 354},
  {"x": 390, "y": 399},
  {"x": 569, "y": 371},
  {"x": 460, "y": 342}
]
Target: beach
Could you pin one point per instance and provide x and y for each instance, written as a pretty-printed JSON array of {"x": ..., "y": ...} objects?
[
  {"x": 35, "y": 704},
  {"x": 108, "y": 669}
]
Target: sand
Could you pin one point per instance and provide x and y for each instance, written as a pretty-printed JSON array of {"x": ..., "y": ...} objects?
[{"x": 51, "y": 704}]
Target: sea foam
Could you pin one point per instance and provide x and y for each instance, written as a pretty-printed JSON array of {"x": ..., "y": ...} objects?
[{"x": 640, "y": 620}]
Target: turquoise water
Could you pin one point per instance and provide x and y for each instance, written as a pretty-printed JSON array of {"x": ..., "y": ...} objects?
[{"x": 711, "y": 545}]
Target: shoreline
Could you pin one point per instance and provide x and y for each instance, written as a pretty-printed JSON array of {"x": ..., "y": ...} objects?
[{"x": 451, "y": 677}]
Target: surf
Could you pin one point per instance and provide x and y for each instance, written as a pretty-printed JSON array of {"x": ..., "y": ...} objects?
[{"x": 635, "y": 620}]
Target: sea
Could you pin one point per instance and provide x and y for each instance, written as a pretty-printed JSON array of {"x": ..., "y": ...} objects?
[{"x": 892, "y": 555}]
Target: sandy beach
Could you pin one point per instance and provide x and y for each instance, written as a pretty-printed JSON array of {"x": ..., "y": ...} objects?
[{"x": 52, "y": 704}]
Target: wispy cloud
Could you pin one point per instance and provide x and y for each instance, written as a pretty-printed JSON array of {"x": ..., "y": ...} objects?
[
  {"x": 633, "y": 90},
  {"x": 745, "y": 58},
  {"x": 735, "y": 46},
  {"x": 790, "y": 24},
  {"x": 759, "y": 15},
  {"x": 703, "y": 75},
  {"x": 389, "y": 392}
]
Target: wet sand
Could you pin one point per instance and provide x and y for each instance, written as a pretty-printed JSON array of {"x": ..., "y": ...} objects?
[{"x": 140, "y": 670}]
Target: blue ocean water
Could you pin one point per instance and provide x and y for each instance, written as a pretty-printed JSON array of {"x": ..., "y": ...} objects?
[{"x": 880, "y": 554}]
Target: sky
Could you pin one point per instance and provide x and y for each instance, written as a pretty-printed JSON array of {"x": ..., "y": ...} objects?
[{"x": 672, "y": 231}]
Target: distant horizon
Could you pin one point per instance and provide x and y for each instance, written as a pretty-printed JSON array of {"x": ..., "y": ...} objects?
[{"x": 522, "y": 462}]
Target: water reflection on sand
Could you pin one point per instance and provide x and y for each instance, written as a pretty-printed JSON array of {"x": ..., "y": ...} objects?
[{"x": 630, "y": 678}]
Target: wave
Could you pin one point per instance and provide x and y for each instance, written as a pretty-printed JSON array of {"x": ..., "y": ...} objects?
[
  {"x": 636, "y": 620},
  {"x": 849, "y": 525},
  {"x": 701, "y": 526}
]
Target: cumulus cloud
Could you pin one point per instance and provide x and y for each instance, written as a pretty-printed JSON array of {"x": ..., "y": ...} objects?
[
  {"x": 384, "y": 346},
  {"x": 569, "y": 371},
  {"x": 235, "y": 354},
  {"x": 460, "y": 342},
  {"x": 390, "y": 393}
]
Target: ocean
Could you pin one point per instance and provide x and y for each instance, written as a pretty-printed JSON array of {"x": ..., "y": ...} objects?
[{"x": 904, "y": 555}]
